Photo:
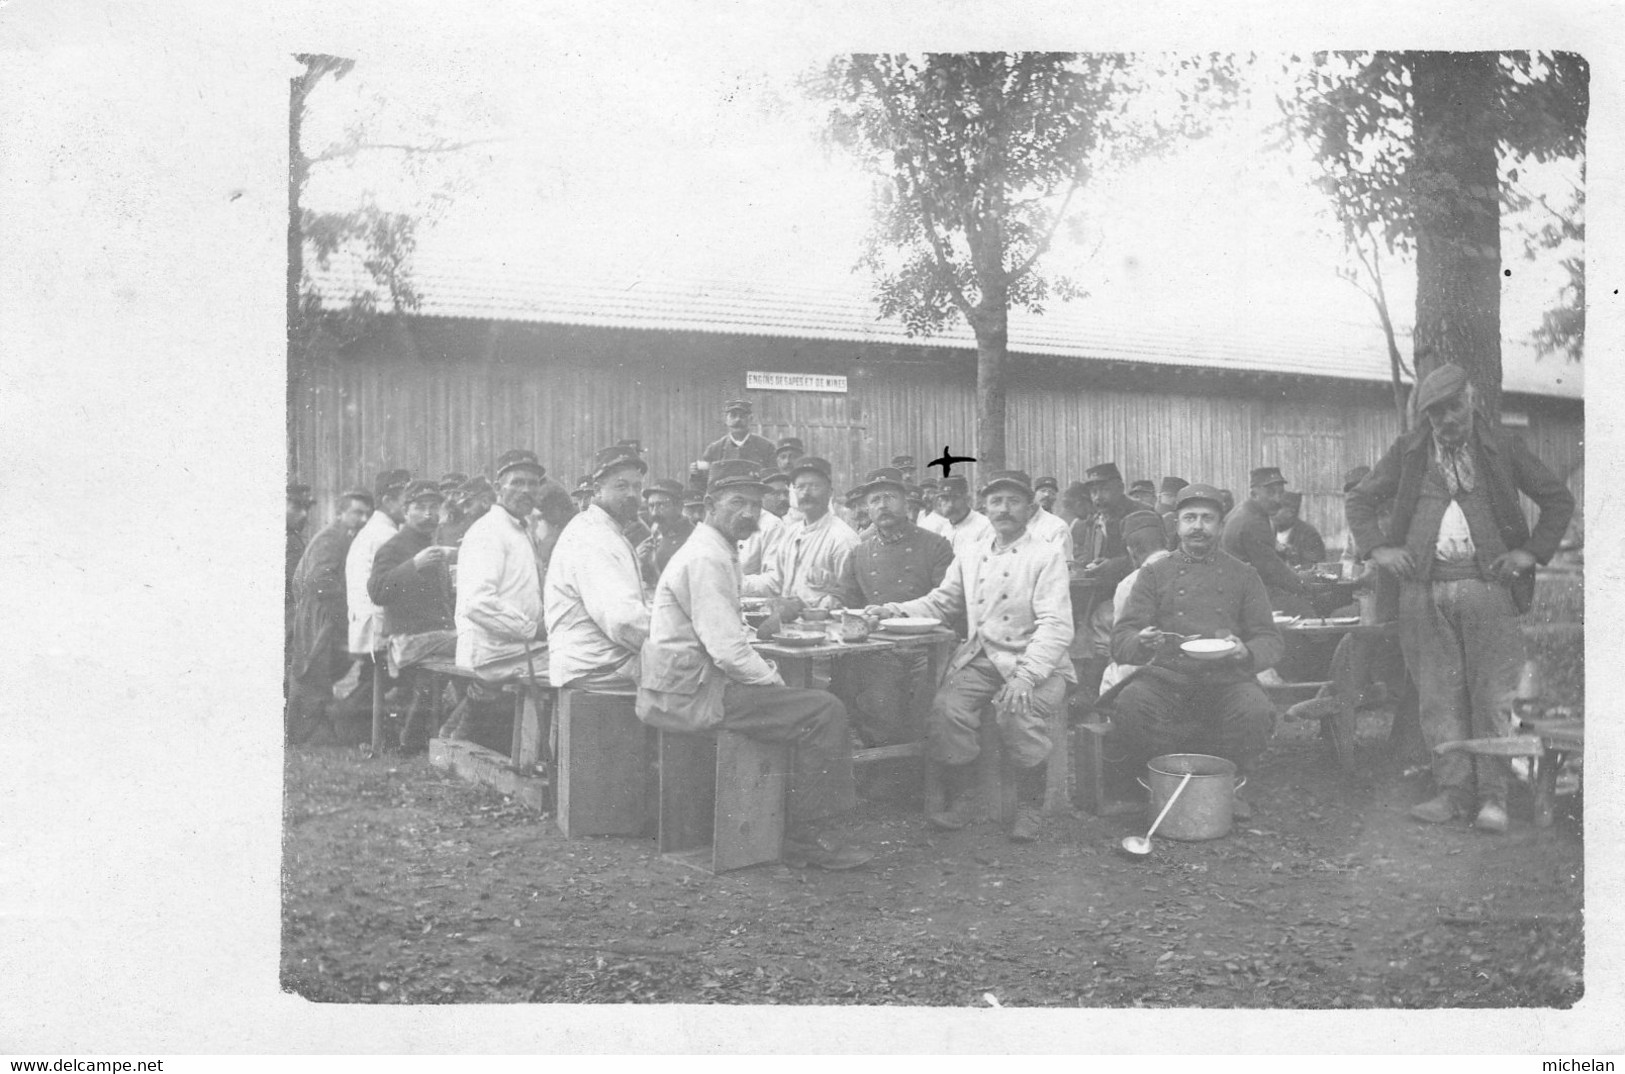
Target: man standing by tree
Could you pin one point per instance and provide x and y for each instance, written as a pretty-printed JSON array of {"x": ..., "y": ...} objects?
[
  {"x": 1458, "y": 541},
  {"x": 320, "y": 620},
  {"x": 699, "y": 671},
  {"x": 740, "y": 442},
  {"x": 1013, "y": 665},
  {"x": 411, "y": 582},
  {"x": 1249, "y": 535},
  {"x": 594, "y": 599}
]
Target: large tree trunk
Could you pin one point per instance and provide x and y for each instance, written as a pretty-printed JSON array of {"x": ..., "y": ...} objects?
[
  {"x": 1457, "y": 192},
  {"x": 992, "y": 347}
]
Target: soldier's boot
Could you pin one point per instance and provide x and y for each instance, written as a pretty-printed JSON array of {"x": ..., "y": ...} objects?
[
  {"x": 955, "y": 811},
  {"x": 1029, "y": 822}
]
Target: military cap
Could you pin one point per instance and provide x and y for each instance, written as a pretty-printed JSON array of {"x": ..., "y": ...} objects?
[
  {"x": 1205, "y": 493},
  {"x": 930, "y": 484},
  {"x": 954, "y": 485},
  {"x": 1445, "y": 382},
  {"x": 356, "y": 494},
  {"x": 635, "y": 445},
  {"x": 791, "y": 443},
  {"x": 1292, "y": 499},
  {"x": 584, "y": 487},
  {"x": 519, "y": 458},
  {"x": 1141, "y": 520},
  {"x": 737, "y": 404},
  {"x": 1010, "y": 479},
  {"x": 1354, "y": 477},
  {"x": 1267, "y": 475},
  {"x": 885, "y": 477},
  {"x": 300, "y": 495},
  {"x": 1143, "y": 485},
  {"x": 735, "y": 474},
  {"x": 913, "y": 492},
  {"x": 666, "y": 487},
  {"x": 452, "y": 481},
  {"x": 777, "y": 477},
  {"x": 391, "y": 482},
  {"x": 477, "y": 485},
  {"x": 903, "y": 462},
  {"x": 694, "y": 499},
  {"x": 617, "y": 456},
  {"x": 422, "y": 490},
  {"x": 1047, "y": 483},
  {"x": 1101, "y": 473},
  {"x": 811, "y": 464},
  {"x": 1171, "y": 485}
]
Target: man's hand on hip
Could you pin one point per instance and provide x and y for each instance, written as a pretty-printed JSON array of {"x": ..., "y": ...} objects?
[
  {"x": 1509, "y": 565},
  {"x": 1396, "y": 561}
]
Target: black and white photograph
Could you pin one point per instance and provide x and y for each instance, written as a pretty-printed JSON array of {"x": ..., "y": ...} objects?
[{"x": 874, "y": 523}]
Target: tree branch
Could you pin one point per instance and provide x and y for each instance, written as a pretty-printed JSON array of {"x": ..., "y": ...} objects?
[{"x": 1043, "y": 245}]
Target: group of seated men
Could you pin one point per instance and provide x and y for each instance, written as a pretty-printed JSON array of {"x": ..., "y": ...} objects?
[{"x": 620, "y": 591}]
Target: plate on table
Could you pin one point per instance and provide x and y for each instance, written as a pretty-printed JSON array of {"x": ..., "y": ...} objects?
[
  {"x": 800, "y": 637},
  {"x": 1208, "y": 648},
  {"x": 910, "y": 625}
]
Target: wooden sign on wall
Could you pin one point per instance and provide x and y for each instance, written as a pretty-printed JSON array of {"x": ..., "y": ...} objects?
[{"x": 794, "y": 382}]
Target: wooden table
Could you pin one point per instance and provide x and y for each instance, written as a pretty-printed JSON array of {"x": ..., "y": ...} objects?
[{"x": 1351, "y": 676}]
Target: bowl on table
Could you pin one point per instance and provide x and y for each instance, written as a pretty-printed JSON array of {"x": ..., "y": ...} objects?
[
  {"x": 800, "y": 638},
  {"x": 910, "y": 624},
  {"x": 815, "y": 615},
  {"x": 1208, "y": 648}
]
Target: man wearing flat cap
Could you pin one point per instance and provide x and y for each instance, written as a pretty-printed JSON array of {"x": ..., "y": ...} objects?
[
  {"x": 811, "y": 557},
  {"x": 699, "y": 672},
  {"x": 1297, "y": 542},
  {"x": 668, "y": 529},
  {"x": 1178, "y": 704},
  {"x": 1013, "y": 666},
  {"x": 966, "y": 529},
  {"x": 1249, "y": 535},
  {"x": 594, "y": 599},
  {"x": 1458, "y": 542},
  {"x": 895, "y": 561},
  {"x": 411, "y": 582},
  {"x": 739, "y": 442},
  {"x": 319, "y": 655},
  {"x": 499, "y": 593}
]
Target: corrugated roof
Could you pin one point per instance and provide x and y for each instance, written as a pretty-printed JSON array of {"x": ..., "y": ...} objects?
[{"x": 1082, "y": 330}]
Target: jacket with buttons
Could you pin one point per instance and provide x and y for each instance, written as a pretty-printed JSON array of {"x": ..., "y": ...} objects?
[
  {"x": 1207, "y": 597},
  {"x": 889, "y": 572},
  {"x": 1017, "y": 602}
]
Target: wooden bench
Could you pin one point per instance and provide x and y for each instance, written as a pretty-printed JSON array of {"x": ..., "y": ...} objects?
[
  {"x": 605, "y": 764},
  {"x": 517, "y": 773},
  {"x": 723, "y": 799}
]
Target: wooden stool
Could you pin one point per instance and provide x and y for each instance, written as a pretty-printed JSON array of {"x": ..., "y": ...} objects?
[
  {"x": 996, "y": 777},
  {"x": 722, "y": 799},
  {"x": 603, "y": 764},
  {"x": 1089, "y": 763}
]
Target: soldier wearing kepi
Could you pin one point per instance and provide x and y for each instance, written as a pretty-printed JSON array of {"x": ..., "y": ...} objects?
[
  {"x": 1249, "y": 535},
  {"x": 1047, "y": 526},
  {"x": 789, "y": 450},
  {"x": 1013, "y": 665},
  {"x": 594, "y": 598},
  {"x": 1298, "y": 543},
  {"x": 1144, "y": 492},
  {"x": 1178, "y": 704},
  {"x": 668, "y": 529},
  {"x": 966, "y": 529},
  {"x": 1458, "y": 541},
  {"x": 476, "y": 497},
  {"x": 739, "y": 442},
  {"x": 700, "y": 673},
  {"x": 894, "y": 561}
]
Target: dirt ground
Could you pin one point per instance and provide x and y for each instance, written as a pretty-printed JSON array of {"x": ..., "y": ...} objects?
[{"x": 405, "y": 885}]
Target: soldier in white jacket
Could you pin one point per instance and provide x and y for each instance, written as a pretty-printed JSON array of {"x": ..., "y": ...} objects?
[{"x": 594, "y": 601}]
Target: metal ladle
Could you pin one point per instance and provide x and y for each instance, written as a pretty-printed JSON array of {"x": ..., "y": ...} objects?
[{"x": 1136, "y": 846}]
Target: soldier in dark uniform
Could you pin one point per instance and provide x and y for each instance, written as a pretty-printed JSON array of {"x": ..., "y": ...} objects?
[
  {"x": 1249, "y": 535},
  {"x": 1298, "y": 542},
  {"x": 668, "y": 529},
  {"x": 1167, "y": 492},
  {"x": 475, "y": 497},
  {"x": 318, "y": 656},
  {"x": 1144, "y": 492},
  {"x": 740, "y": 442},
  {"x": 1181, "y": 705},
  {"x": 411, "y": 582}
]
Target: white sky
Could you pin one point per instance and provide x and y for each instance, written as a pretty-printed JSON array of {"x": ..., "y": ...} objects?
[{"x": 689, "y": 168}]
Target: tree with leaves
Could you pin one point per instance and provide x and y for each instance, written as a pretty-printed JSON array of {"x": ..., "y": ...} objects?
[
  {"x": 983, "y": 155},
  {"x": 1412, "y": 147}
]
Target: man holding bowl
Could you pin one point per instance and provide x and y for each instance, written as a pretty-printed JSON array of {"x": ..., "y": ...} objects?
[
  {"x": 1013, "y": 590},
  {"x": 1208, "y": 702}
]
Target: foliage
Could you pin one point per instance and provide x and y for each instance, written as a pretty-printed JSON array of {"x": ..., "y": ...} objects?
[{"x": 1356, "y": 110}]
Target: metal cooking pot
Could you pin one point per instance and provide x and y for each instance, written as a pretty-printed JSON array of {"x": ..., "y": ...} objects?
[{"x": 1204, "y": 809}]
